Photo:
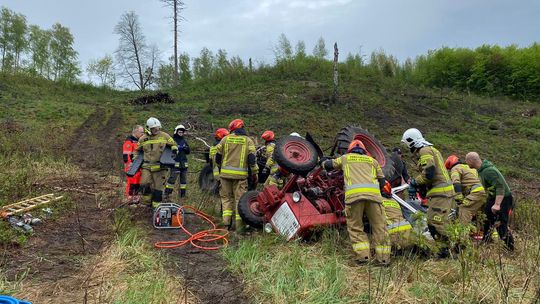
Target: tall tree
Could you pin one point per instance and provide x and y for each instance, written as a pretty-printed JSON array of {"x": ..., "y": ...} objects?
[
  {"x": 63, "y": 56},
  {"x": 177, "y": 6},
  {"x": 283, "y": 50},
  {"x": 185, "y": 68},
  {"x": 6, "y": 17},
  {"x": 320, "y": 51},
  {"x": 203, "y": 66},
  {"x": 103, "y": 69},
  {"x": 300, "y": 49},
  {"x": 19, "y": 39},
  {"x": 137, "y": 60},
  {"x": 223, "y": 64},
  {"x": 39, "y": 50}
]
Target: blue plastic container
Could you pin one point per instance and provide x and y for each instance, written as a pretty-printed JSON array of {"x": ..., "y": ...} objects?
[{"x": 11, "y": 300}]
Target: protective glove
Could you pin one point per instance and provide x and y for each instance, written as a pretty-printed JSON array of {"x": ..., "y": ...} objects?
[
  {"x": 459, "y": 198},
  {"x": 174, "y": 152},
  {"x": 412, "y": 188}
]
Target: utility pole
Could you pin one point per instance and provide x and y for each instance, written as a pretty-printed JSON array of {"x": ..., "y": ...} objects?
[{"x": 335, "y": 94}]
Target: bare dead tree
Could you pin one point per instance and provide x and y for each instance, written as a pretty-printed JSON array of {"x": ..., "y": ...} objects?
[
  {"x": 136, "y": 59},
  {"x": 335, "y": 95},
  {"x": 177, "y": 6}
]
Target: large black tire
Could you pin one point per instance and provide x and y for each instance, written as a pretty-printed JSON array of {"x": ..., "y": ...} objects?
[
  {"x": 296, "y": 155},
  {"x": 374, "y": 147},
  {"x": 248, "y": 209},
  {"x": 207, "y": 183}
]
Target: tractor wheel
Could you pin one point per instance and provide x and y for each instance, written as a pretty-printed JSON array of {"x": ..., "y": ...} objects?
[
  {"x": 248, "y": 208},
  {"x": 207, "y": 183},
  {"x": 295, "y": 155},
  {"x": 374, "y": 147}
]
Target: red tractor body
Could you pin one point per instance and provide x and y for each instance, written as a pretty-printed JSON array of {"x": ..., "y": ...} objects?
[{"x": 303, "y": 204}]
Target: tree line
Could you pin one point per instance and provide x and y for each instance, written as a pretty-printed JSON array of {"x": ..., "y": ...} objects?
[{"x": 28, "y": 48}]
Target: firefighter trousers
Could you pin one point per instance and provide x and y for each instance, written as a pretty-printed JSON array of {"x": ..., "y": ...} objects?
[
  {"x": 359, "y": 239},
  {"x": 153, "y": 184},
  {"x": 438, "y": 215},
  {"x": 471, "y": 204},
  {"x": 175, "y": 174},
  {"x": 399, "y": 229},
  {"x": 230, "y": 192}
]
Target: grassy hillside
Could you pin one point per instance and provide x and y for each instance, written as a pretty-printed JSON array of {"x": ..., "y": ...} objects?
[{"x": 39, "y": 119}]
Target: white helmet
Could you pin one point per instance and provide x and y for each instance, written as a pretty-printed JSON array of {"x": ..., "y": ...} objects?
[
  {"x": 179, "y": 127},
  {"x": 414, "y": 139},
  {"x": 153, "y": 122},
  {"x": 295, "y": 134}
]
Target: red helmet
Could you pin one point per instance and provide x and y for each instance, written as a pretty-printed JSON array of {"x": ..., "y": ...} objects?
[
  {"x": 220, "y": 133},
  {"x": 451, "y": 161},
  {"x": 268, "y": 135},
  {"x": 236, "y": 124},
  {"x": 356, "y": 143}
]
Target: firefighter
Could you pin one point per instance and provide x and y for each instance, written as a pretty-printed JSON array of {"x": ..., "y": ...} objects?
[
  {"x": 129, "y": 146},
  {"x": 399, "y": 229},
  {"x": 470, "y": 194},
  {"x": 181, "y": 163},
  {"x": 271, "y": 166},
  {"x": 500, "y": 202},
  {"x": 435, "y": 178},
  {"x": 218, "y": 136},
  {"x": 235, "y": 156},
  {"x": 153, "y": 176},
  {"x": 364, "y": 181}
]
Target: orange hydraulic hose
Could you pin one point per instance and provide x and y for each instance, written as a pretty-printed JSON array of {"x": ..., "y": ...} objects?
[{"x": 210, "y": 235}]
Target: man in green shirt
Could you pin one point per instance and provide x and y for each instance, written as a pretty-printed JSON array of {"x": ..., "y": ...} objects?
[{"x": 499, "y": 202}]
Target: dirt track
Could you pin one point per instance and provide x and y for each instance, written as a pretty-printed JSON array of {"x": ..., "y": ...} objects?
[{"x": 55, "y": 259}]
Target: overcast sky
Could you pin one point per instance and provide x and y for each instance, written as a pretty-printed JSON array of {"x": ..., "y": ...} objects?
[{"x": 249, "y": 28}]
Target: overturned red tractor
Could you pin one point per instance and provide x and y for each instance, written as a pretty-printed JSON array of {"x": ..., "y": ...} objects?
[{"x": 311, "y": 197}]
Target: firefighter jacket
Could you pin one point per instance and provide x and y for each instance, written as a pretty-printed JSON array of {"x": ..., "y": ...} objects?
[
  {"x": 467, "y": 177},
  {"x": 212, "y": 157},
  {"x": 361, "y": 174},
  {"x": 433, "y": 173},
  {"x": 128, "y": 148},
  {"x": 235, "y": 155},
  {"x": 270, "y": 146},
  {"x": 183, "y": 151},
  {"x": 153, "y": 146},
  {"x": 493, "y": 180}
]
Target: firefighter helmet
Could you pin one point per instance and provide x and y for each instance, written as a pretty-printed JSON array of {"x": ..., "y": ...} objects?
[
  {"x": 414, "y": 139},
  {"x": 295, "y": 134},
  {"x": 451, "y": 161},
  {"x": 153, "y": 122},
  {"x": 179, "y": 127},
  {"x": 356, "y": 144},
  {"x": 268, "y": 135},
  {"x": 236, "y": 124},
  {"x": 220, "y": 133}
]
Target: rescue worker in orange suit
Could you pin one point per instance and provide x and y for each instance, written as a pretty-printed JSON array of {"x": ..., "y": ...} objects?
[
  {"x": 435, "y": 177},
  {"x": 181, "y": 164},
  {"x": 364, "y": 182},
  {"x": 153, "y": 175},
  {"x": 399, "y": 229},
  {"x": 500, "y": 202},
  {"x": 271, "y": 166},
  {"x": 470, "y": 195},
  {"x": 235, "y": 156},
  {"x": 218, "y": 136},
  {"x": 128, "y": 148}
]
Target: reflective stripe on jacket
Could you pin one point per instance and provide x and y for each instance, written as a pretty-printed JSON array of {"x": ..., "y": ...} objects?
[
  {"x": 361, "y": 174},
  {"x": 153, "y": 146},
  {"x": 467, "y": 177},
  {"x": 430, "y": 160},
  {"x": 235, "y": 150}
]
